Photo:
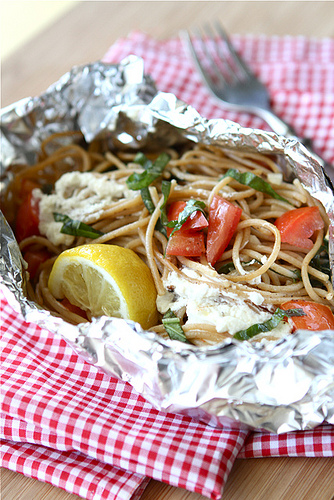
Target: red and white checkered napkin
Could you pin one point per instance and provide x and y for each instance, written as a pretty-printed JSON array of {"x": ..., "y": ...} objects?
[
  {"x": 298, "y": 72},
  {"x": 65, "y": 422},
  {"x": 318, "y": 442}
]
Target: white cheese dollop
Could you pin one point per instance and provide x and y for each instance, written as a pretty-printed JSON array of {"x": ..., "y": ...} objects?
[
  {"x": 207, "y": 305},
  {"x": 275, "y": 178},
  {"x": 81, "y": 196}
]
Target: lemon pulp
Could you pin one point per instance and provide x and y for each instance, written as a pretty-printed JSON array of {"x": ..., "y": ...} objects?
[{"x": 106, "y": 280}]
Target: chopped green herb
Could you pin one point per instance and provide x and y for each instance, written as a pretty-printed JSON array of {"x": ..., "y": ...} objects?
[
  {"x": 255, "y": 182},
  {"x": 75, "y": 227},
  {"x": 152, "y": 171},
  {"x": 47, "y": 188},
  {"x": 165, "y": 189},
  {"x": 321, "y": 262},
  {"x": 296, "y": 272},
  {"x": 147, "y": 199},
  {"x": 268, "y": 325},
  {"x": 191, "y": 206},
  {"x": 173, "y": 327},
  {"x": 142, "y": 160},
  {"x": 229, "y": 266},
  {"x": 162, "y": 221}
]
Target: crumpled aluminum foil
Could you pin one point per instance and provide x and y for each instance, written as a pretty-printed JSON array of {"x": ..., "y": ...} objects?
[{"x": 283, "y": 386}]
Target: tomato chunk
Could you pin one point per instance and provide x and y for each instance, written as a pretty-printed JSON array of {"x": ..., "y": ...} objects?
[
  {"x": 27, "y": 185},
  {"x": 195, "y": 221},
  {"x": 34, "y": 259},
  {"x": 317, "y": 316},
  {"x": 223, "y": 220},
  {"x": 297, "y": 226},
  {"x": 27, "y": 218},
  {"x": 188, "y": 241}
]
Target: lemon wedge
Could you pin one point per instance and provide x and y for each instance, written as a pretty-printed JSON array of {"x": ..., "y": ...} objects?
[{"x": 106, "y": 280}]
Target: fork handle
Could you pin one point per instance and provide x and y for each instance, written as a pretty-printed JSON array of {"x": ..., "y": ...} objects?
[{"x": 280, "y": 127}]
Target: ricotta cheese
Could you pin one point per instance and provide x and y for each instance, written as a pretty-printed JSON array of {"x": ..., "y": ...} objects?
[
  {"x": 80, "y": 195},
  {"x": 204, "y": 304},
  {"x": 275, "y": 178}
]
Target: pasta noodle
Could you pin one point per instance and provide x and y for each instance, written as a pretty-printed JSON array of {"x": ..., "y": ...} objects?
[{"x": 258, "y": 261}]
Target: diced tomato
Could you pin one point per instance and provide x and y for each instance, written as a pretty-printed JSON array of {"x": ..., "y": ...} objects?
[
  {"x": 195, "y": 221},
  {"x": 27, "y": 218},
  {"x": 74, "y": 309},
  {"x": 34, "y": 259},
  {"x": 317, "y": 316},
  {"x": 297, "y": 226},
  {"x": 223, "y": 220},
  {"x": 27, "y": 185},
  {"x": 188, "y": 241}
]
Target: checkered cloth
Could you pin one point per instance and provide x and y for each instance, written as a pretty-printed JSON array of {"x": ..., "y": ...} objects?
[
  {"x": 65, "y": 422},
  {"x": 298, "y": 72}
]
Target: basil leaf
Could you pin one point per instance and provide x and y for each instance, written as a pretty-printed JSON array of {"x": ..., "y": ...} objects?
[
  {"x": 191, "y": 206},
  {"x": 147, "y": 199},
  {"x": 229, "y": 266},
  {"x": 75, "y": 227},
  {"x": 321, "y": 260},
  {"x": 165, "y": 189},
  {"x": 173, "y": 327},
  {"x": 255, "y": 182},
  {"x": 47, "y": 188},
  {"x": 152, "y": 171},
  {"x": 162, "y": 221},
  {"x": 226, "y": 268},
  {"x": 142, "y": 160},
  {"x": 268, "y": 325}
]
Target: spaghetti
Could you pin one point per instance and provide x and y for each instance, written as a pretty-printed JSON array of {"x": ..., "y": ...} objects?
[{"x": 256, "y": 268}]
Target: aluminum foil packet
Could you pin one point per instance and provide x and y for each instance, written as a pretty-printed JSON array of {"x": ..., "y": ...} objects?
[{"x": 281, "y": 386}]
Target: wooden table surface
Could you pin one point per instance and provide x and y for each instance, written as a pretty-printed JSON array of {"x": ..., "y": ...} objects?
[{"x": 83, "y": 35}]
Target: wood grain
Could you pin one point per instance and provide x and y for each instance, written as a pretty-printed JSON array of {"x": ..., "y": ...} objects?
[
  {"x": 86, "y": 32},
  {"x": 83, "y": 35},
  {"x": 253, "y": 479}
]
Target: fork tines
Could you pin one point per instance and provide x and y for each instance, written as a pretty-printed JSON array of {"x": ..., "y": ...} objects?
[
  {"x": 215, "y": 56},
  {"x": 225, "y": 72}
]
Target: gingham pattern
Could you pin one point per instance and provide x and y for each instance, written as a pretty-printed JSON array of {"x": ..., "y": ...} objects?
[
  {"x": 54, "y": 400},
  {"x": 44, "y": 455},
  {"x": 298, "y": 72},
  {"x": 72, "y": 471},
  {"x": 318, "y": 442},
  {"x": 66, "y": 423}
]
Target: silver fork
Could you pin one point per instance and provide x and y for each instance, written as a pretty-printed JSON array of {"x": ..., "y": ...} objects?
[{"x": 234, "y": 84}]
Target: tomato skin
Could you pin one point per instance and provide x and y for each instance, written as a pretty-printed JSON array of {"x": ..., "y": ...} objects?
[
  {"x": 298, "y": 225},
  {"x": 317, "y": 316},
  {"x": 195, "y": 221},
  {"x": 188, "y": 241},
  {"x": 223, "y": 220},
  {"x": 27, "y": 185},
  {"x": 27, "y": 218},
  {"x": 34, "y": 259}
]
